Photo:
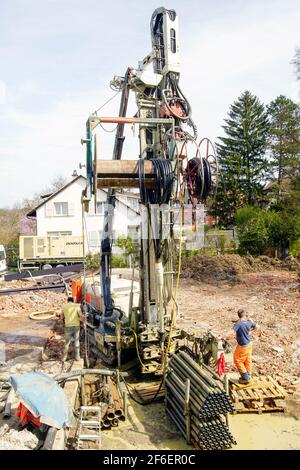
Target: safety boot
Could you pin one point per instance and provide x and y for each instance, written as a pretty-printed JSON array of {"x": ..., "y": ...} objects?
[{"x": 245, "y": 378}]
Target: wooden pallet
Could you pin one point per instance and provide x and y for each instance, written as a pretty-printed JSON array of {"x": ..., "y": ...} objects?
[
  {"x": 148, "y": 392},
  {"x": 262, "y": 395}
]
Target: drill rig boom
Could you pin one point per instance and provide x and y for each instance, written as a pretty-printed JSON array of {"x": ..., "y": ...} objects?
[{"x": 160, "y": 175}]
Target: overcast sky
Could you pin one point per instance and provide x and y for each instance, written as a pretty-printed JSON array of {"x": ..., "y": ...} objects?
[{"x": 58, "y": 56}]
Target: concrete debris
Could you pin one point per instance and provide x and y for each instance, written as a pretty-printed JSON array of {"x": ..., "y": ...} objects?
[
  {"x": 21, "y": 364},
  {"x": 277, "y": 349},
  {"x": 4, "y": 429},
  {"x": 17, "y": 440}
]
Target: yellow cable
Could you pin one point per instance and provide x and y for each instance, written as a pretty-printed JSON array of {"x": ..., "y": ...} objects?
[
  {"x": 176, "y": 286},
  {"x": 137, "y": 349}
]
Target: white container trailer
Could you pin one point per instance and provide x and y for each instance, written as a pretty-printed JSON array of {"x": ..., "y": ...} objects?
[
  {"x": 47, "y": 252},
  {"x": 3, "y": 265}
]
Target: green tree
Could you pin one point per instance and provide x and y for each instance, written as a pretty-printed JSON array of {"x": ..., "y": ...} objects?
[
  {"x": 284, "y": 138},
  {"x": 12, "y": 220},
  {"x": 252, "y": 230},
  {"x": 242, "y": 157},
  {"x": 129, "y": 247},
  {"x": 282, "y": 228},
  {"x": 260, "y": 229}
]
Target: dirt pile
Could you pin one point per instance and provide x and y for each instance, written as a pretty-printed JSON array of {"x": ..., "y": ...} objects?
[
  {"x": 228, "y": 267},
  {"x": 55, "y": 342},
  {"x": 28, "y": 302}
]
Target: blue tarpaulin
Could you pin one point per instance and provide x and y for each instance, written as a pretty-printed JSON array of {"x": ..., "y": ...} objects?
[{"x": 44, "y": 398}]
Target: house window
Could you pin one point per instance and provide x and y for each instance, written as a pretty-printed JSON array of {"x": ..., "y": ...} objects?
[
  {"x": 99, "y": 210},
  {"x": 133, "y": 232},
  {"x": 61, "y": 208},
  {"x": 94, "y": 238}
]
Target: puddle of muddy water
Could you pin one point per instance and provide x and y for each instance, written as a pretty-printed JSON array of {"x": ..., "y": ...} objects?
[{"x": 265, "y": 432}]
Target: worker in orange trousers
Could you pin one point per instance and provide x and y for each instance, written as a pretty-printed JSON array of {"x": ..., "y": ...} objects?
[{"x": 243, "y": 352}]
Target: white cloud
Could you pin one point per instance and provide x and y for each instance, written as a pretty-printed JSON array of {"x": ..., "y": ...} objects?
[
  {"x": 48, "y": 144},
  {"x": 2, "y": 92},
  {"x": 224, "y": 60}
]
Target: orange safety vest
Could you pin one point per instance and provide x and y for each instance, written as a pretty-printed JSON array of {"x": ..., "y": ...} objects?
[{"x": 25, "y": 416}]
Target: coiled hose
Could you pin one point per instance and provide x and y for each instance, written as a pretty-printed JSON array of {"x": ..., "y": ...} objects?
[
  {"x": 164, "y": 177},
  {"x": 198, "y": 179}
]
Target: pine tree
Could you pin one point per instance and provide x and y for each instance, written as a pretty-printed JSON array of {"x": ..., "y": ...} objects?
[
  {"x": 242, "y": 158},
  {"x": 296, "y": 62},
  {"x": 284, "y": 138}
]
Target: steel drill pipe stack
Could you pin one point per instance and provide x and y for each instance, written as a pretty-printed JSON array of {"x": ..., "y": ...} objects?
[
  {"x": 199, "y": 419},
  {"x": 114, "y": 411},
  {"x": 206, "y": 388},
  {"x": 211, "y": 433}
]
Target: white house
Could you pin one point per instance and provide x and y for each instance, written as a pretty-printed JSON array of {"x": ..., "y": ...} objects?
[{"x": 61, "y": 214}]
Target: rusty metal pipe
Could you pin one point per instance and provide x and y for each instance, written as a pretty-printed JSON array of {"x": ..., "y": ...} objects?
[
  {"x": 199, "y": 400},
  {"x": 116, "y": 399},
  {"x": 106, "y": 423},
  {"x": 110, "y": 414}
]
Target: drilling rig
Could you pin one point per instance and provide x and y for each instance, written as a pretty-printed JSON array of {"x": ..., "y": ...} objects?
[{"x": 165, "y": 177}]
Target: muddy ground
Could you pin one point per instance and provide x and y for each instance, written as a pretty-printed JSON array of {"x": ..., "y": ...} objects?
[
  {"x": 252, "y": 431},
  {"x": 19, "y": 334}
]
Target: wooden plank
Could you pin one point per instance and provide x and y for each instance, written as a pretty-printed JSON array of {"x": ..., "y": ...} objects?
[
  {"x": 259, "y": 410},
  {"x": 274, "y": 392},
  {"x": 246, "y": 393},
  {"x": 122, "y": 167},
  {"x": 278, "y": 387},
  {"x": 257, "y": 383},
  {"x": 151, "y": 391},
  {"x": 264, "y": 388},
  {"x": 280, "y": 404},
  {"x": 118, "y": 182},
  {"x": 123, "y": 174}
]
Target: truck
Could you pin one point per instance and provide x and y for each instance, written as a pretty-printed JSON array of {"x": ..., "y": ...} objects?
[
  {"x": 3, "y": 265},
  {"x": 46, "y": 252}
]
